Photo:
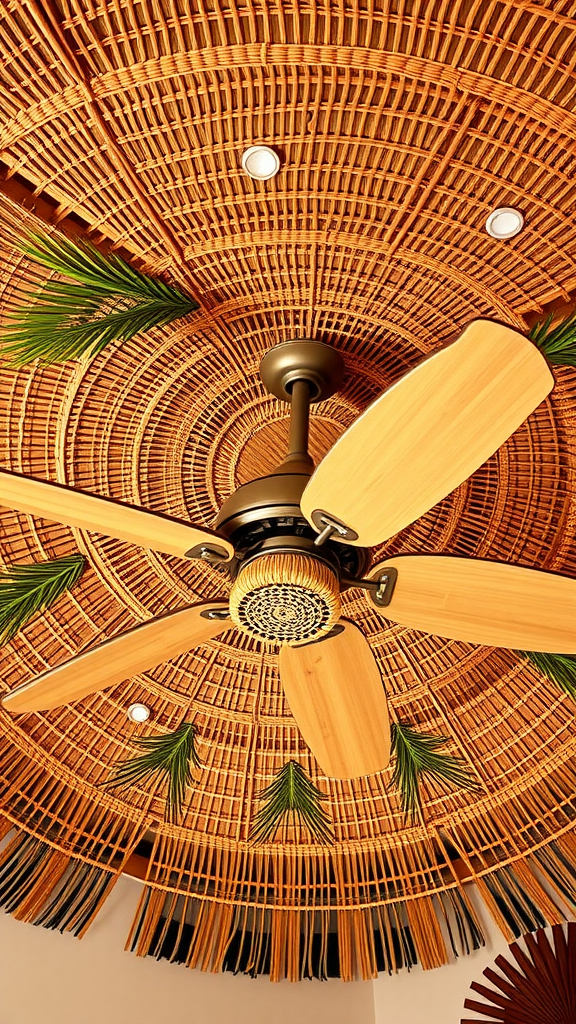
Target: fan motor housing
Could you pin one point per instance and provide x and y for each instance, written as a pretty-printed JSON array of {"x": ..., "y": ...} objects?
[
  {"x": 264, "y": 515},
  {"x": 286, "y": 589},
  {"x": 275, "y": 495}
]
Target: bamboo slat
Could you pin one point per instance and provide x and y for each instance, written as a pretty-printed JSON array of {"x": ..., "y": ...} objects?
[{"x": 399, "y": 131}]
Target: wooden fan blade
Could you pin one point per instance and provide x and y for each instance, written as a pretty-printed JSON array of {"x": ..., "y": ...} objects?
[
  {"x": 427, "y": 434},
  {"x": 483, "y": 602},
  {"x": 66, "y": 505},
  {"x": 138, "y": 650},
  {"x": 335, "y": 692}
]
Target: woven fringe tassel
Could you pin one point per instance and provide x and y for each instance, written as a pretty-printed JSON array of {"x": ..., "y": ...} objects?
[
  {"x": 515, "y": 897},
  {"x": 45, "y": 887},
  {"x": 556, "y": 862},
  {"x": 248, "y": 947},
  {"x": 212, "y": 931},
  {"x": 296, "y": 944},
  {"x": 510, "y": 906},
  {"x": 356, "y": 946},
  {"x": 426, "y": 932},
  {"x": 148, "y": 914},
  {"x": 457, "y": 909},
  {"x": 537, "y": 894}
]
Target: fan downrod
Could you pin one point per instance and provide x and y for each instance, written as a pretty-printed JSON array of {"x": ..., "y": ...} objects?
[
  {"x": 286, "y": 588},
  {"x": 298, "y": 372}
]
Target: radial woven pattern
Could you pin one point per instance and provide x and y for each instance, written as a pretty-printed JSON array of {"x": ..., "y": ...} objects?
[{"x": 400, "y": 127}]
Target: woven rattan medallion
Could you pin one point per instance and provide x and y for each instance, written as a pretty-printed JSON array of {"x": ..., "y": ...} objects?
[
  {"x": 295, "y": 540},
  {"x": 285, "y": 597}
]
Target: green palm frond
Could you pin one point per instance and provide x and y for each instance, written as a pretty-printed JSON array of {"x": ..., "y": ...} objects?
[
  {"x": 292, "y": 795},
  {"x": 108, "y": 300},
  {"x": 26, "y": 590},
  {"x": 558, "y": 343},
  {"x": 171, "y": 757},
  {"x": 417, "y": 756},
  {"x": 560, "y": 668}
]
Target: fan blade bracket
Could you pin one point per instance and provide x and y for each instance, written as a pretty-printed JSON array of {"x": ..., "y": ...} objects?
[
  {"x": 331, "y": 528},
  {"x": 381, "y": 593},
  {"x": 380, "y": 588},
  {"x": 216, "y": 614},
  {"x": 211, "y": 553}
]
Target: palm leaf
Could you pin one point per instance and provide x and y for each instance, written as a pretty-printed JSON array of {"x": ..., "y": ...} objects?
[
  {"x": 292, "y": 795},
  {"x": 558, "y": 343},
  {"x": 417, "y": 756},
  {"x": 560, "y": 668},
  {"x": 26, "y": 590},
  {"x": 108, "y": 300},
  {"x": 171, "y": 757}
]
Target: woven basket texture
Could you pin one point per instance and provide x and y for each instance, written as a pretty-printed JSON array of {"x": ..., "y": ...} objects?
[{"x": 400, "y": 127}]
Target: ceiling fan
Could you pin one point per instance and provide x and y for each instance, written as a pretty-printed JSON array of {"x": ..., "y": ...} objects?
[{"x": 293, "y": 540}]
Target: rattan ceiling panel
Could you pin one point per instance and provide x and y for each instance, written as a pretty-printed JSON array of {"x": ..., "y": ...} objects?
[{"x": 400, "y": 128}]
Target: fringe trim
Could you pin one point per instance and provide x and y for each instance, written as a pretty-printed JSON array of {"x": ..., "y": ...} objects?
[
  {"x": 44, "y": 886},
  {"x": 515, "y": 896},
  {"x": 557, "y": 862},
  {"x": 298, "y": 944},
  {"x": 57, "y": 810},
  {"x": 243, "y": 929}
]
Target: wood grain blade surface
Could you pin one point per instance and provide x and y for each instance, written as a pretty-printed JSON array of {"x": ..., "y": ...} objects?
[
  {"x": 483, "y": 602},
  {"x": 428, "y": 433},
  {"x": 71, "y": 507},
  {"x": 337, "y": 697},
  {"x": 127, "y": 655}
]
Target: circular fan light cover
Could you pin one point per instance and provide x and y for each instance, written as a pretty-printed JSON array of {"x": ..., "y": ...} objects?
[
  {"x": 505, "y": 222},
  {"x": 138, "y": 712},
  {"x": 285, "y": 598},
  {"x": 260, "y": 162}
]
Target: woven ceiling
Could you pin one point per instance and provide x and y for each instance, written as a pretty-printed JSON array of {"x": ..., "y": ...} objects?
[{"x": 400, "y": 125}]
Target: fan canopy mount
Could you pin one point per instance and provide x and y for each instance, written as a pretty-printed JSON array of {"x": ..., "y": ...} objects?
[{"x": 320, "y": 365}]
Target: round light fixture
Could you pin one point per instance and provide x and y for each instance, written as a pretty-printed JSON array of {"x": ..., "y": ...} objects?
[
  {"x": 138, "y": 712},
  {"x": 260, "y": 162},
  {"x": 505, "y": 222}
]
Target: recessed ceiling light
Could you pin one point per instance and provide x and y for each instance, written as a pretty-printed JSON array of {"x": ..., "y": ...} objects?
[
  {"x": 505, "y": 222},
  {"x": 138, "y": 712},
  {"x": 260, "y": 162}
]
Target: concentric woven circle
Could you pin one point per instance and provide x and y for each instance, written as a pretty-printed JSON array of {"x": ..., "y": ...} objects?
[{"x": 399, "y": 133}]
